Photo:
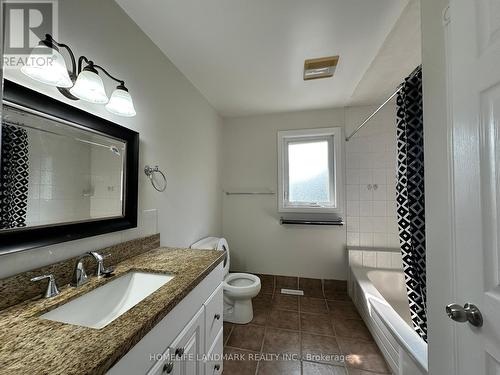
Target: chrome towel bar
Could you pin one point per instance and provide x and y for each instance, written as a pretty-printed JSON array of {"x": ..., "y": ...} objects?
[
  {"x": 250, "y": 192},
  {"x": 311, "y": 222}
]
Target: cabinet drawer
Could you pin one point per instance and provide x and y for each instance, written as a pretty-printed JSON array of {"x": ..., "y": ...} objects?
[
  {"x": 214, "y": 307},
  {"x": 214, "y": 361}
]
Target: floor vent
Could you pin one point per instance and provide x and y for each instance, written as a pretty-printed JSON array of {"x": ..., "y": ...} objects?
[{"x": 295, "y": 292}]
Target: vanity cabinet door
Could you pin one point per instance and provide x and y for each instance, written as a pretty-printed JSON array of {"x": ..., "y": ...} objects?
[
  {"x": 213, "y": 316},
  {"x": 164, "y": 366},
  {"x": 193, "y": 354},
  {"x": 214, "y": 361},
  {"x": 187, "y": 348}
]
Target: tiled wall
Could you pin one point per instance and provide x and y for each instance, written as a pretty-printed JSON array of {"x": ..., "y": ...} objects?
[
  {"x": 371, "y": 166},
  {"x": 105, "y": 182},
  {"x": 71, "y": 180},
  {"x": 375, "y": 259},
  {"x": 58, "y": 174}
]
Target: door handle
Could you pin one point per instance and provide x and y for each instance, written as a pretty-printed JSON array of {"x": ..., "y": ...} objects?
[{"x": 468, "y": 313}]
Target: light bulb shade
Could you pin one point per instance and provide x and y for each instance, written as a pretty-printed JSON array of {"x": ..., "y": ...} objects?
[
  {"x": 89, "y": 87},
  {"x": 47, "y": 65},
  {"x": 121, "y": 103}
]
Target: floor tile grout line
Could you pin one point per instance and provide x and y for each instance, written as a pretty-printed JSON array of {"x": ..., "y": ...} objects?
[
  {"x": 229, "y": 334},
  {"x": 261, "y": 350},
  {"x": 300, "y": 313},
  {"x": 300, "y": 341}
]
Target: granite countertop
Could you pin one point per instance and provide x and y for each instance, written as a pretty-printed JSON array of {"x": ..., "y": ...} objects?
[{"x": 31, "y": 345}]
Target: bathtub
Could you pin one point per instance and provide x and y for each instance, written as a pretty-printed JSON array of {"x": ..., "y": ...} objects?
[{"x": 380, "y": 296}]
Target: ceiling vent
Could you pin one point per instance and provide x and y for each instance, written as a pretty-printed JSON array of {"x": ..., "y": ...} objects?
[{"x": 323, "y": 67}]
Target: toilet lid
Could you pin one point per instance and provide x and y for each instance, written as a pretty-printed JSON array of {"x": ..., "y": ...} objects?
[
  {"x": 223, "y": 246},
  {"x": 215, "y": 243}
]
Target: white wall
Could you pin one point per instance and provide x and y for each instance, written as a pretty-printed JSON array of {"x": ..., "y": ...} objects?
[
  {"x": 179, "y": 130},
  {"x": 251, "y": 225},
  {"x": 371, "y": 175}
]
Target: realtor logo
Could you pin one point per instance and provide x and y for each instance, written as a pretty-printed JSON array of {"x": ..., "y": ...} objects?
[{"x": 26, "y": 23}]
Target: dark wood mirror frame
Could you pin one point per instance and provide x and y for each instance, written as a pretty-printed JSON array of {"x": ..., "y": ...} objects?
[{"x": 29, "y": 238}]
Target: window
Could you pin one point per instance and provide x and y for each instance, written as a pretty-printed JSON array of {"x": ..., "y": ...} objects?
[{"x": 309, "y": 166}]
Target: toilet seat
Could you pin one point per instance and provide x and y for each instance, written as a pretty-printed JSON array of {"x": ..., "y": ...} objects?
[{"x": 241, "y": 284}]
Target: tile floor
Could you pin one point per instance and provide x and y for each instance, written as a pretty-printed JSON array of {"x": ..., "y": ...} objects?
[{"x": 318, "y": 334}]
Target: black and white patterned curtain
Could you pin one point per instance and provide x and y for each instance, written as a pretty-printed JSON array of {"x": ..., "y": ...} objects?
[
  {"x": 14, "y": 177},
  {"x": 410, "y": 196}
]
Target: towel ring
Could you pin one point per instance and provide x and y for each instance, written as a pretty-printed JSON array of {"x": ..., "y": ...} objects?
[{"x": 150, "y": 171}]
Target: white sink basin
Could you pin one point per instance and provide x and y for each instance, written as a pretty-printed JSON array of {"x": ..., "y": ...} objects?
[{"x": 99, "y": 307}]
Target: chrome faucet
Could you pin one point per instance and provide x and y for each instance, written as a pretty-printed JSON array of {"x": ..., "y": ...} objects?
[
  {"x": 101, "y": 270},
  {"x": 79, "y": 275}
]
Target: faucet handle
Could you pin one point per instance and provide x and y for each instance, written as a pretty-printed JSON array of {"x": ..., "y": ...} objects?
[
  {"x": 99, "y": 257},
  {"x": 108, "y": 272},
  {"x": 101, "y": 270},
  {"x": 52, "y": 290}
]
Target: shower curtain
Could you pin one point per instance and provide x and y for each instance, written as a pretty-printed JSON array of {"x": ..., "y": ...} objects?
[
  {"x": 14, "y": 177},
  {"x": 410, "y": 196}
]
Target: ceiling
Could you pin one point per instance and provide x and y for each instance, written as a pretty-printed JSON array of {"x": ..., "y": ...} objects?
[
  {"x": 399, "y": 55},
  {"x": 247, "y": 56}
]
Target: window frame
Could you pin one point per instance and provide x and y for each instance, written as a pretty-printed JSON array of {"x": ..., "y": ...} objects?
[{"x": 333, "y": 136}]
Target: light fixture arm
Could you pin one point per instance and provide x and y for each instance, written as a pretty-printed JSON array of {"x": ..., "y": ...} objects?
[
  {"x": 51, "y": 42},
  {"x": 91, "y": 65}
]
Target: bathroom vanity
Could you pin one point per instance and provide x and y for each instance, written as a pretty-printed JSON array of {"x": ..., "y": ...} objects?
[
  {"x": 189, "y": 340},
  {"x": 67, "y": 175},
  {"x": 177, "y": 329}
]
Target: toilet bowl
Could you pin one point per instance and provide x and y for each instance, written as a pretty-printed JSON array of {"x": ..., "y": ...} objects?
[{"x": 239, "y": 288}]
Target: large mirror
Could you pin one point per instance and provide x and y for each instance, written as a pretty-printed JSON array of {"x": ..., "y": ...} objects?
[{"x": 64, "y": 174}]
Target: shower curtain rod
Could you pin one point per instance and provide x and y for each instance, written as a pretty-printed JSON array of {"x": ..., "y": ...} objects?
[
  {"x": 20, "y": 125},
  {"x": 398, "y": 89}
]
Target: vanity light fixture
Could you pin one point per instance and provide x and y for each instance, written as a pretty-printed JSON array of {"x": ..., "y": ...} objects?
[{"x": 80, "y": 82}]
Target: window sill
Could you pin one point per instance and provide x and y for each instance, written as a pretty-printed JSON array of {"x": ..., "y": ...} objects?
[{"x": 311, "y": 210}]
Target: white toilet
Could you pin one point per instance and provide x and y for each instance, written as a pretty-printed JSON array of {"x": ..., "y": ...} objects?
[{"x": 239, "y": 288}]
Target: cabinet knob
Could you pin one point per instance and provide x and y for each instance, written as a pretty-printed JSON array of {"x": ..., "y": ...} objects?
[
  {"x": 168, "y": 367},
  {"x": 217, "y": 367},
  {"x": 179, "y": 352},
  {"x": 217, "y": 316}
]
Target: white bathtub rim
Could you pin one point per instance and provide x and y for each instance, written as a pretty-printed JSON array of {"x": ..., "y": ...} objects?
[{"x": 413, "y": 344}]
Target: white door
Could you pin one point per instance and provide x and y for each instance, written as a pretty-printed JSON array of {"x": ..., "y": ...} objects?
[{"x": 475, "y": 155}]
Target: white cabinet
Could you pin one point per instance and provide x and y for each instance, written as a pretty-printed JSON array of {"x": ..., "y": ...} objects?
[
  {"x": 214, "y": 306},
  {"x": 214, "y": 362},
  {"x": 188, "y": 347},
  {"x": 188, "y": 341},
  {"x": 183, "y": 354},
  {"x": 164, "y": 365}
]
